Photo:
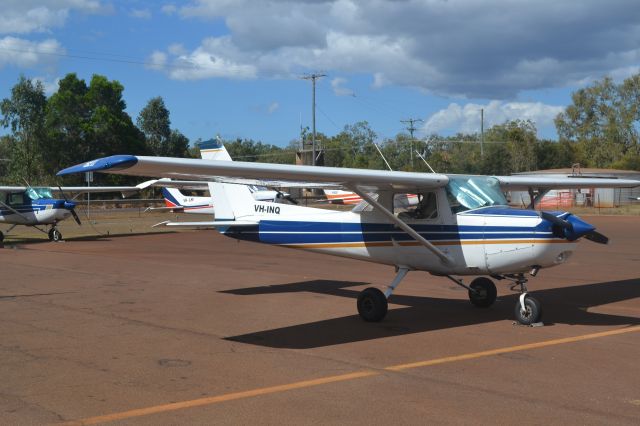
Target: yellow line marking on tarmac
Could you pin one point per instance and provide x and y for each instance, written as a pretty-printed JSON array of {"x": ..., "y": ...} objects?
[{"x": 340, "y": 378}]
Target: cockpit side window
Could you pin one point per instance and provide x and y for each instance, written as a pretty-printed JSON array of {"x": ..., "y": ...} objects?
[
  {"x": 423, "y": 206},
  {"x": 15, "y": 199}
]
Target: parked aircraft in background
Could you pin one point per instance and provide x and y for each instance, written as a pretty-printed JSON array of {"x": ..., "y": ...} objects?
[
  {"x": 461, "y": 224},
  {"x": 36, "y": 206},
  {"x": 176, "y": 201}
]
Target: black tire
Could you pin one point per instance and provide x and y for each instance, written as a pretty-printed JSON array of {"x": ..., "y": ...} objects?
[
  {"x": 485, "y": 292},
  {"x": 50, "y": 233},
  {"x": 531, "y": 313},
  {"x": 1, "y": 237},
  {"x": 372, "y": 305},
  {"x": 55, "y": 235}
]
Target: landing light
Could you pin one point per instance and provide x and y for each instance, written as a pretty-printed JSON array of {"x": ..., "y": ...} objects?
[{"x": 562, "y": 257}]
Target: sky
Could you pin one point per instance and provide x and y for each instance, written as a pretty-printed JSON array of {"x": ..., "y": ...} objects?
[{"x": 236, "y": 67}]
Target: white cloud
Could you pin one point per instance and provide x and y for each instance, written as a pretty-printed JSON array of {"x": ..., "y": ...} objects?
[
  {"x": 466, "y": 118},
  {"x": 24, "y": 53},
  {"x": 27, "y": 16},
  {"x": 492, "y": 49},
  {"x": 157, "y": 61},
  {"x": 50, "y": 87},
  {"x": 140, "y": 13},
  {"x": 177, "y": 49},
  {"x": 169, "y": 9},
  {"x": 273, "y": 107},
  {"x": 213, "y": 59},
  {"x": 337, "y": 84}
]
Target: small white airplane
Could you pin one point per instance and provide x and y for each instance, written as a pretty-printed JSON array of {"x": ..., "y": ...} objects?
[
  {"x": 36, "y": 206},
  {"x": 460, "y": 226}
]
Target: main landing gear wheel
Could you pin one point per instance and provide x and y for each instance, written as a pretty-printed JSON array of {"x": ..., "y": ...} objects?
[
  {"x": 530, "y": 313},
  {"x": 55, "y": 235},
  {"x": 484, "y": 292},
  {"x": 372, "y": 304},
  {"x": 1, "y": 237}
]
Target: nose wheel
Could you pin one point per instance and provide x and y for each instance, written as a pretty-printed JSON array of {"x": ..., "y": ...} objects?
[
  {"x": 54, "y": 235},
  {"x": 528, "y": 310}
]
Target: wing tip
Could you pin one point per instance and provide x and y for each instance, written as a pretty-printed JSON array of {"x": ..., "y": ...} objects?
[{"x": 115, "y": 162}]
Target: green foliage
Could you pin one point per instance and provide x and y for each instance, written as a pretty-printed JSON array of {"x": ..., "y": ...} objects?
[
  {"x": 603, "y": 120},
  {"x": 156, "y": 126},
  {"x": 24, "y": 113},
  {"x": 250, "y": 150}
]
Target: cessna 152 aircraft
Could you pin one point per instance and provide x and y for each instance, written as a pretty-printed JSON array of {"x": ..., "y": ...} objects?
[
  {"x": 35, "y": 206},
  {"x": 460, "y": 226}
]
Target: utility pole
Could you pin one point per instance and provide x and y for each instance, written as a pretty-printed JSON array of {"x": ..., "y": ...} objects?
[
  {"x": 411, "y": 128},
  {"x": 313, "y": 77},
  {"x": 481, "y": 132}
]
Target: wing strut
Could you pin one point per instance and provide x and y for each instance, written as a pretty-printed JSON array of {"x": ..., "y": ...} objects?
[
  {"x": 8, "y": 207},
  {"x": 536, "y": 198},
  {"x": 402, "y": 225}
]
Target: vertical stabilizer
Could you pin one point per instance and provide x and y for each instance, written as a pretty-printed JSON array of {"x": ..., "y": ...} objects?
[
  {"x": 232, "y": 201},
  {"x": 213, "y": 149}
]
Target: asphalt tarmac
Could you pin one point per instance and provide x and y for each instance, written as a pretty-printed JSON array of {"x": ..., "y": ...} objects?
[{"x": 196, "y": 328}]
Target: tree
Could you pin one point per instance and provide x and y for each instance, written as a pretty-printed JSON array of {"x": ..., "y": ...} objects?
[
  {"x": 24, "y": 113},
  {"x": 67, "y": 122},
  {"x": 110, "y": 129},
  {"x": 603, "y": 120},
  {"x": 520, "y": 137},
  {"x": 154, "y": 122}
]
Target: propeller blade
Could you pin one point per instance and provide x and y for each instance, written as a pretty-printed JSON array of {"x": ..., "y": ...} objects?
[
  {"x": 597, "y": 237},
  {"x": 291, "y": 199},
  {"x": 556, "y": 220},
  {"x": 64, "y": 196},
  {"x": 75, "y": 216}
]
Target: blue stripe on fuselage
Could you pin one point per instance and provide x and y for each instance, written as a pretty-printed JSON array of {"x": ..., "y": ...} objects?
[{"x": 300, "y": 232}]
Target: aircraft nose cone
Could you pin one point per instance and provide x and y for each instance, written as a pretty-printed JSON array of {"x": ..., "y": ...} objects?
[
  {"x": 69, "y": 205},
  {"x": 579, "y": 229}
]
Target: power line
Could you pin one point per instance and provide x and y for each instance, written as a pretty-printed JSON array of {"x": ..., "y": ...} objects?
[
  {"x": 411, "y": 128},
  {"x": 313, "y": 77},
  {"x": 95, "y": 58}
]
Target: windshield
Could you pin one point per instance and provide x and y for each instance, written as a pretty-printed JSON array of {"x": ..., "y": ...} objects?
[
  {"x": 38, "y": 193},
  {"x": 472, "y": 192}
]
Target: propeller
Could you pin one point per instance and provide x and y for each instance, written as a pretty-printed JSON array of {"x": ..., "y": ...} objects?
[
  {"x": 287, "y": 197},
  {"x": 71, "y": 206},
  {"x": 563, "y": 228},
  {"x": 597, "y": 237}
]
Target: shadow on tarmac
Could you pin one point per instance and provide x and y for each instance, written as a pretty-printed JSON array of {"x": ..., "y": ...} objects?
[
  {"x": 18, "y": 241},
  {"x": 566, "y": 305}
]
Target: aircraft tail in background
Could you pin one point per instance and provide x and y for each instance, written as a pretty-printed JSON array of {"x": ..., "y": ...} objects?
[{"x": 178, "y": 202}]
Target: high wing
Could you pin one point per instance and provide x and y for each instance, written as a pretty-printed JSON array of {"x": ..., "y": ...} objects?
[
  {"x": 182, "y": 168},
  {"x": 523, "y": 183},
  {"x": 202, "y": 185},
  {"x": 371, "y": 180}
]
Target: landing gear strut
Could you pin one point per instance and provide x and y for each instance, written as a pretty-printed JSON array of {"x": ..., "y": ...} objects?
[
  {"x": 372, "y": 303},
  {"x": 528, "y": 310},
  {"x": 482, "y": 291}
]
